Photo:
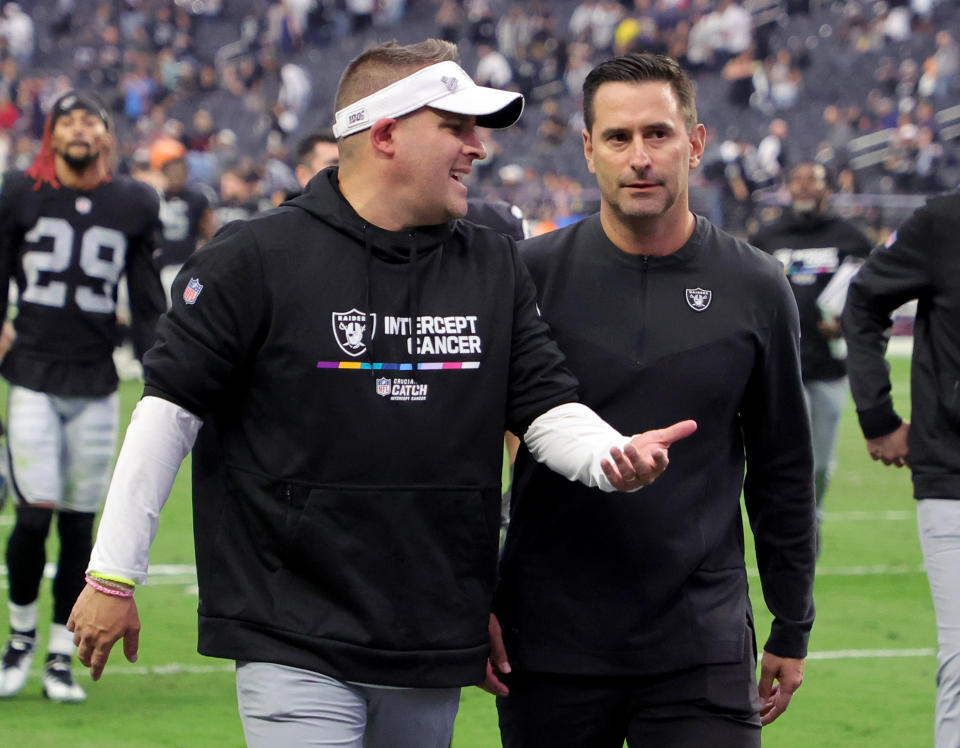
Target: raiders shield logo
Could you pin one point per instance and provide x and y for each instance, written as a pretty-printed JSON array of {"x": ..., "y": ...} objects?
[
  {"x": 698, "y": 299},
  {"x": 353, "y": 330}
]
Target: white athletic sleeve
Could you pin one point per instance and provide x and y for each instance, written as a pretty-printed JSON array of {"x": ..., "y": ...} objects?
[
  {"x": 571, "y": 439},
  {"x": 159, "y": 436}
]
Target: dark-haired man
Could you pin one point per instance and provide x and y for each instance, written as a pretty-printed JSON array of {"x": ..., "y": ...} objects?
[
  {"x": 68, "y": 231},
  {"x": 631, "y": 619},
  {"x": 315, "y": 153}
]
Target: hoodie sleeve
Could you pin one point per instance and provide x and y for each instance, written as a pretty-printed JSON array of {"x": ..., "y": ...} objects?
[
  {"x": 539, "y": 378},
  {"x": 215, "y": 326},
  {"x": 892, "y": 275}
]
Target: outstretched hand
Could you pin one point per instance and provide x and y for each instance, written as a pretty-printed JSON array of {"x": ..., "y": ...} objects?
[
  {"x": 644, "y": 458},
  {"x": 97, "y": 622}
]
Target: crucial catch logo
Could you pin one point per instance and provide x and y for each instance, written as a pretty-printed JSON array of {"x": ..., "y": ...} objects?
[{"x": 402, "y": 389}]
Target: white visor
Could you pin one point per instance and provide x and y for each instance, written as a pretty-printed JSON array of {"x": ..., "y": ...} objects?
[{"x": 443, "y": 86}]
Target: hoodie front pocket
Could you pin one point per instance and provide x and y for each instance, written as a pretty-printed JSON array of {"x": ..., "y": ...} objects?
[{"x": 396, "y": 569}]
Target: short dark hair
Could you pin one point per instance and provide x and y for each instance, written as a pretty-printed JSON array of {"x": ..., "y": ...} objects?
[
  {"x": 305, "y": 147},
  {"x": 639, "y": 67}
]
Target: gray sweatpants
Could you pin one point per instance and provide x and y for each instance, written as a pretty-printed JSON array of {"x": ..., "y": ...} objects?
[
  {"x": 938, "y": 522},
  {"x": 291, "y": 707}
]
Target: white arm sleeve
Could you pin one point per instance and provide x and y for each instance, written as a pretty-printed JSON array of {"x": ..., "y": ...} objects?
[
  {"x": 571, "y": 439},
  {"x": 159, "y": 436}
]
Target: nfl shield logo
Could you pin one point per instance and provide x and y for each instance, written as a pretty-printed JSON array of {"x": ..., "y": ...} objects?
[
  {"x": 192, "y": 291},
  {"x": 352, "y": 330},
  {"x": 698, "y": 299},
  {"x": 383, "y": 386}
]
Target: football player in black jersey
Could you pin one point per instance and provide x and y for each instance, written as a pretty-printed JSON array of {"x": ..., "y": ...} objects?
[
  {"x": 187, "y": 221},
  {"x": 68, "y": 231}
]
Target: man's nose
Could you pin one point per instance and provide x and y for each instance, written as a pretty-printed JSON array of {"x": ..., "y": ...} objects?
[
  {"x": 474, "y": 147},
  {"x": 639, "y": 155}
]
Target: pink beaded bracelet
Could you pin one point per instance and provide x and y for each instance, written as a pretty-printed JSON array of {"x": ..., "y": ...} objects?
[{"x": 108, "y": 590}]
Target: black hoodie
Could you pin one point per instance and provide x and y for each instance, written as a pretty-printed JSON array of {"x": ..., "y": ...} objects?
[
  {"x": 347, "y": 478},
  {"x": 811, "y": 246},
  {"x": 921, "y": 261}
]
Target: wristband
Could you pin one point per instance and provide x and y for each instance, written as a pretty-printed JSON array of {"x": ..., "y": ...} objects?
[{"x": 108, "y": 589}]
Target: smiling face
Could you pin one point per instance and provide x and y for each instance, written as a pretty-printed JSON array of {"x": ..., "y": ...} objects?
[
  {"x": 435, "y": 153},
  {"x": 79, "y": 137},
  {"x": 641, "y": 152}
]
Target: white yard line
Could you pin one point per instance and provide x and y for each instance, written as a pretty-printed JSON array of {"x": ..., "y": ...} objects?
[
  {"x": 859, "y": 571},
  {"x": 186, "y": 575},
  {"x": 215, "y": 668},
  {"x": 898, "y": 515},
  {"x": 871, "y": 654},
  {"x": 158, "y": 574}
]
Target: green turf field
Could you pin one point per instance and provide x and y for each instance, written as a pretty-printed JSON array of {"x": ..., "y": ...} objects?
[{"x": 869, "y": 680}]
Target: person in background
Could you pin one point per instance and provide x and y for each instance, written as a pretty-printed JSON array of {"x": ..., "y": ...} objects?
[
  {"x": 187, "y": 221},
  {"x": 921, "y": 260},
  {"x": 812, "y": 244},
  {"x": 315, "y": 153},
  {"x": 69, "y": 229}
]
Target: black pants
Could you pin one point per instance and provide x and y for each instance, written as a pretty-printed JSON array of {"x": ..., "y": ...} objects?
[{"x": 708, "y": 706}]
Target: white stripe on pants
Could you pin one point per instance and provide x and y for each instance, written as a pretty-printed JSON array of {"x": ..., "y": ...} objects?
[
  {"x": 291, "y": 707},
  {"x": 938, "y": 522}
]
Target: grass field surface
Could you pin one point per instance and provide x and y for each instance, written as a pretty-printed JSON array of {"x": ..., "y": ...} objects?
[{"x": 870, "y": 678}]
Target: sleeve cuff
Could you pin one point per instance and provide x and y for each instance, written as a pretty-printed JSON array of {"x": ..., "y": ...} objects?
[{"x": 879, "y": 421}]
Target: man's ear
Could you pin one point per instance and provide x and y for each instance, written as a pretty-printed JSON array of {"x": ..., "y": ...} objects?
[
  {"x": 588, "y": 150},
  {"x": 698, "y": 140},
  {"x": 382, "y": 136}
]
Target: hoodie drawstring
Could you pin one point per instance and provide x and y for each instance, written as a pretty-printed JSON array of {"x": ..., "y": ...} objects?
[
  {"x": 368, "y": 298},
  {"x": 413, "y": 299}
]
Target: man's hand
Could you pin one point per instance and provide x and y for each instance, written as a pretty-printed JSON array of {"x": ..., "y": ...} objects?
[
  {"x": 891, "y": 449},
  {"x": 643, "y": 460},
  {"x": 7, "y": 335},
  {"x": 497, "y": 663},
  {"x": 775, "y": 698},
  {"x": 97, "y": 621},
  {"x": 829, "y": 330}
]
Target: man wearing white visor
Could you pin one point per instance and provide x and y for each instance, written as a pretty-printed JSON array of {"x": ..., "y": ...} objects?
[{"x": 344, "y": 368}]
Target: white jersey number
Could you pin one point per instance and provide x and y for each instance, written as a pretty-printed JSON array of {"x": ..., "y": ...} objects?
[
  {"x": 175, "y": 217},
  {"x": 105, "y": 272}
]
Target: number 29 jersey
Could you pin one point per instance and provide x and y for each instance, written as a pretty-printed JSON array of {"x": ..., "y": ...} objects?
[{"x": 67, "y": 249}]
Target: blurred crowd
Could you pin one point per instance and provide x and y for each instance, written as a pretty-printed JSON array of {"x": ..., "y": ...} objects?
[{"x": 866, "y": 88}]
